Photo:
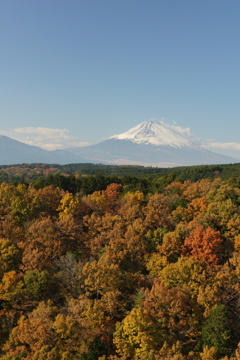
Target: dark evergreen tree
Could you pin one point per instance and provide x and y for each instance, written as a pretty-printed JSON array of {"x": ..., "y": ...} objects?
[{"x": 217, "y": 332}]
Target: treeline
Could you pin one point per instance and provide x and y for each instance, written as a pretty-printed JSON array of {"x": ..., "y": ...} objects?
[
  {"x": 31, "y": 172},
  {"x": 120, "y": 273},
  {"x": 88, "y": 184}
]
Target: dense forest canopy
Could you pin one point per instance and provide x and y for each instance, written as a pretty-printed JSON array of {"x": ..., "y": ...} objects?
[
  {"x": 30, "y": 172},
  {"x": 110, "y": 267}
]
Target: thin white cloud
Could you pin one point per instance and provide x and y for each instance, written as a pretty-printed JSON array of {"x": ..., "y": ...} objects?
[
  {"x": 46, "y": 138},
  {"x": 175, "y": 127},
  {"x": 183, "y": 131},
  {"x": 224, "y": 146},
  {"x": 207, "y": 144}
]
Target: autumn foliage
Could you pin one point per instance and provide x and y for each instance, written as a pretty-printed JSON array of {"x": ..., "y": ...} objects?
[
  {"x": 203, "y": 244},
  {"x": 120, "y": 273}
]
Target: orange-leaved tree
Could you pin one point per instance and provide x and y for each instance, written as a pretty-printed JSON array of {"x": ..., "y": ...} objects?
[{"x": 203, "y": 244}]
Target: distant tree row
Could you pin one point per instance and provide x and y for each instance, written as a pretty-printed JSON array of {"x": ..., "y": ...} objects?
[{"x": 31, "y": 172}]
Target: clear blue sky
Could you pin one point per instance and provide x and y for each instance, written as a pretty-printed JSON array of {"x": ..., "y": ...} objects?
[{"x": 99, "y": 67}]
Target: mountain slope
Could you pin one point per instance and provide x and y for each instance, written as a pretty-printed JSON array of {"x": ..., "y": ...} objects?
[
  {"x": 16, "y": 152},
  {"x": 151, "y": 143}
]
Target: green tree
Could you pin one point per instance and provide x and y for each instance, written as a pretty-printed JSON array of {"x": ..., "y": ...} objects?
[
  {"x": 217, "y": 332},
  {"x": 35, "y": 283}
]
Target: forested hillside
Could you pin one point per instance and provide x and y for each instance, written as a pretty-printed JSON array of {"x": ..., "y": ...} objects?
[
  {"x": 127, "y": 268},
  {"x": 31, "y": 172}
]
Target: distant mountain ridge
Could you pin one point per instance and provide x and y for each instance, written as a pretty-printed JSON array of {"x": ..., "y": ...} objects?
[
  {"x": 16, "y": 152},
  {"x": 150, "y": 143}
]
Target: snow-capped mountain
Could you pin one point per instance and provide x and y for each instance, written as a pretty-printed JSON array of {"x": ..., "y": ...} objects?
[
  {"x": 155, "y": 133},
  {"x": 151, "y": 143}
]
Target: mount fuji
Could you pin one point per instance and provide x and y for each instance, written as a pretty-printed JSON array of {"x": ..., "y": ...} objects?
[{"x": 151, "y": 143}]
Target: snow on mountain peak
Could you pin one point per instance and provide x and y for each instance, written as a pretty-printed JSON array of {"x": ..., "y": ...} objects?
[{"x": 157, "y": 133}]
